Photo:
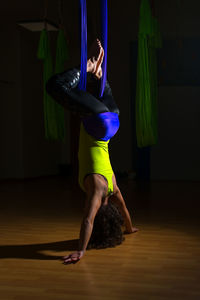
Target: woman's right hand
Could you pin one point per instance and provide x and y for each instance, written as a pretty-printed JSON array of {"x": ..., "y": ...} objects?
[{"x": 73, "y": 257}]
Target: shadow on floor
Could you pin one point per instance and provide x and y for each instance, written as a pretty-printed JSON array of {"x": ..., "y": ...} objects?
[{"x": 33, "y": 251}]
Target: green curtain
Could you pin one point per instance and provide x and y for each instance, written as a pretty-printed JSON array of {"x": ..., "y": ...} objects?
[
  {"x": 146, "y": 87},
  {"x": 53, "y": 112},
  {"x": 62, "y": 55}
]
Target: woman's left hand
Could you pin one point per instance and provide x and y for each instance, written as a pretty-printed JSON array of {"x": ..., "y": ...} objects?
[
  {"x": 73, "y": 257},
  {"x": 132, "y": 230}
]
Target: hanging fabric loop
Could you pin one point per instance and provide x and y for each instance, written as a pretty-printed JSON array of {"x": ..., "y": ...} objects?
[
  {"x": 104, "y": 36},
  {"x": 83, "y": 34}
]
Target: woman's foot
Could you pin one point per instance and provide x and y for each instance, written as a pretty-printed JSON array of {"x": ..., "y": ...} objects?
[{"x": 95, "y": 54}]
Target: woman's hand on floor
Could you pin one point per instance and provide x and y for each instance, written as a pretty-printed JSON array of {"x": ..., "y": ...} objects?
[
  {"x": 132, "y": 230},
  {"x": 73, "y": 257}
]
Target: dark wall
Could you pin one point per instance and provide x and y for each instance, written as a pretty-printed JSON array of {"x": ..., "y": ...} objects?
[
  {"x": 176, "y": 156},
  {"x": 26, "y": 153}
]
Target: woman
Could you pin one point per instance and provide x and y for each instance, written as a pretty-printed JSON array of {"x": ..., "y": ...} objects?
[{"x": 99, "y": 123}]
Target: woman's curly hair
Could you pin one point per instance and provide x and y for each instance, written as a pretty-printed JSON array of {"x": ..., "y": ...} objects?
[{"x": 107, "y": 230}]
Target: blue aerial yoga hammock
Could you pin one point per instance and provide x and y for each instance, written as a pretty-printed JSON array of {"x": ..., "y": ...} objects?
[
  {"x": 104, "y": 125},
  {"x": 104, "y": 39},
  {"x": 83, "y": 33}
]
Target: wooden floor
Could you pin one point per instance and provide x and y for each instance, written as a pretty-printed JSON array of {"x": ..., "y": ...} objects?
[{"x": 40, "y": 221}]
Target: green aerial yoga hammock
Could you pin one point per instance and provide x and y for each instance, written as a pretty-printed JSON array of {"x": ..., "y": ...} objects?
[
  {"x": 146, "y": 88},
  {"x": 53, "y": 112}
]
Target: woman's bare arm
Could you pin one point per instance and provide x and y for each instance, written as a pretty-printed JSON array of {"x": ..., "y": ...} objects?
[
  {"x": 86, "y": 229},
  {"x": 118, "y": 200},
  {"x": 96, "y": 188}
]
